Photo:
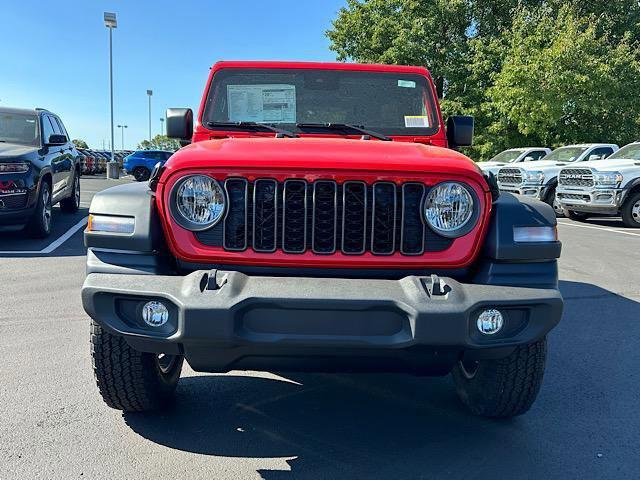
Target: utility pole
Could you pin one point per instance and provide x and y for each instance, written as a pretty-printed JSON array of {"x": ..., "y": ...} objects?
[
  {"x": 149, "y": 94},
  {"x": 111, "y": 23},
  {"x": 122, "y": 127},
  {"x": 162, "y": 126}
]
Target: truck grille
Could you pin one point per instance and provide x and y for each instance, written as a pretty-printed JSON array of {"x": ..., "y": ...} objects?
[
  {"x": 324, "y": 217},
  {"x": 510, "y": 176},
  {"x": 576, "y": 177}
]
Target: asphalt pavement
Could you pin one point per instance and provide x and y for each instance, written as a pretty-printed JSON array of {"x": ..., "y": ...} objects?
[{"x": 53, "y": 425}]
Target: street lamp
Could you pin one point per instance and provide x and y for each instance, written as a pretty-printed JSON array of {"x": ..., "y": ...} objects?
[
  {"x": 122, "y": 127},
  {"x": 149, "y": 93},
  {"x": 111, "y": 23},
  {"x": 162, "y": 126}
]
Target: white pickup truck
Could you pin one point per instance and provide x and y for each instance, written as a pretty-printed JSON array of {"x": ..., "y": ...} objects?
[
  {"x": 513, "y": 156},
  {"x": 608, "y": 187},
  {"x": 540, "y": 179}
]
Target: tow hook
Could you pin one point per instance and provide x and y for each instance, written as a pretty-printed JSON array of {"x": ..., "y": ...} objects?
[{"x": 436, "y": 287}]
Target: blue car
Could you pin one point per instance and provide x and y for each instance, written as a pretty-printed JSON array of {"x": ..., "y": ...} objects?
[{"x": 140, "y": 163}]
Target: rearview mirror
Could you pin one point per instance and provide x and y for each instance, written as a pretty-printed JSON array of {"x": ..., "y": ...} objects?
[
  {"x": 460, "y": 131},
  {"x": 180, "y": 123},
  {"x": 56, "y": 139}
]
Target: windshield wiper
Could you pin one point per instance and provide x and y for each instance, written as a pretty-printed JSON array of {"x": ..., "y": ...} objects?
[
  {"x": 253, "y": 126},
  {"x": 345, "y": 126}
]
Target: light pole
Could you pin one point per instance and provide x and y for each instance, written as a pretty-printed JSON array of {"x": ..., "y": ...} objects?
[
  {"x": 162, "y": 126},
  {"x": 149, "y": 93},
  {"x": 111, "y": 23},
  {"x": 122, "y": 127}
]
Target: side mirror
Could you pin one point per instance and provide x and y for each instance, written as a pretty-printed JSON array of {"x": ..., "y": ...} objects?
[
  {"x": 57, "y": 140},
  {"x": 460, "y": 131},
  {"x": 180, "y": 124},
  {"x": 594, "y": 157},
  {"x": 528, "y": 159}
]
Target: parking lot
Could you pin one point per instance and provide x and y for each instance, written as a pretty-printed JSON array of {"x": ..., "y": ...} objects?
[{"x": 257, "y": 425}]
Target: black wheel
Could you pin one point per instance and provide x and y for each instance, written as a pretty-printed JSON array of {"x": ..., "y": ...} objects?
[
  {"x": 40, "y": 224},
  {"x": 577, "y": 216},
  {"x": 71, "y": 204},
  {"x": 130, "y": 380},
  {"x": 553, "y": 201},
  {"x": 141, "y": 174},
  {"x": 631, "y": 211},
  {"x": 505, "y": 387}
]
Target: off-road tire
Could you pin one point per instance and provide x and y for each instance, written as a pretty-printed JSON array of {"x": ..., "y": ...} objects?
[
  {"x": 630, "y": 208},
  {"x": 504, "y": 387},
  {"x": 576, "y": 216},
  {"x": 71, "y": 204},
  {"x": 39, "y": 226},
  {"x": 141, "y": 174},
  {"x": 130, "y": 380}
]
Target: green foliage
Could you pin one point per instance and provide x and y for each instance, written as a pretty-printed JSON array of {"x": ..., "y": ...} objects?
[
  {"x": 80, "y": 143},
  {"x": 531, "y": 72},
  {"x": 159, "y": 142}
]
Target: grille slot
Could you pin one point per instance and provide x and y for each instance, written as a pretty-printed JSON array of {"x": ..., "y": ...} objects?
[
  {"x": 510, "y": 176},
  {"x": 13, "y": 201},
  {"x": 265, "y": 208},
  {"x": 576, "y": 177},
  {"x": 324, "y": 217}
]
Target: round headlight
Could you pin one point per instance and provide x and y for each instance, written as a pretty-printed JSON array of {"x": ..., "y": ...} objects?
[
  {"x": 199, "y": 202},
  {"x": 449, "y": 208}
]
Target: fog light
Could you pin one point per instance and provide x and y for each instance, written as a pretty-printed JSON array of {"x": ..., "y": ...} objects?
[
  {"x": 490, "y": 322},
  {"x": 155, "y": 314}
]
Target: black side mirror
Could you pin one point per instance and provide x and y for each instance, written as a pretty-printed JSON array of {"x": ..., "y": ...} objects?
[
  {"x": 180, "y": 123},
  {"x": 460, "y": 131},
  {"x": 57, "y": 140}
]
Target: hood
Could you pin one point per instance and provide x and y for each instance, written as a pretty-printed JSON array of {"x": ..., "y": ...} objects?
[
  {"x": 495, "y": 164},
  {"x": 607, "y": 165},
  {"x": 542, "y": 164},
  {"x": 13, "y": 151},
  {"x": 323, "y": 154}
]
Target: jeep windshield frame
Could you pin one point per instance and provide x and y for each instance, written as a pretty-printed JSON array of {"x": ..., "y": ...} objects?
[{"x": 387, "y": 102}]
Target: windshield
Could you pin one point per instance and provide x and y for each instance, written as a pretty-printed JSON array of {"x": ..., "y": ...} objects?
[
  {"x": 389, "y": 103},
  {"x": 507, "y": 156},
  {"x": 630, "y": 152},
  {"x": 18, "y": 128},
  {"x": 565, "y": 154}
]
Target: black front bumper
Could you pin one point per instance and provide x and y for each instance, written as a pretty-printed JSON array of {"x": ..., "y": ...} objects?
[{"x": 318, "y": 324}]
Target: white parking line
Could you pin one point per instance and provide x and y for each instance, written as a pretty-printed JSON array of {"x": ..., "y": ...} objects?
[
  {"x": 606, "y": 229},
  {"x": 53, "y": 245}
]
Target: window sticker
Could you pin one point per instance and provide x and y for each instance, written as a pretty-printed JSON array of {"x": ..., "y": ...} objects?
[
  {"x": 275, "y": 103},
  {"x": 416, "y": 121},
  {"x": 407, "y": 83}
]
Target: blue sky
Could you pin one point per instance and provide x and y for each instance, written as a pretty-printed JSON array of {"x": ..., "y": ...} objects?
[{"x": 55, "y": 54}]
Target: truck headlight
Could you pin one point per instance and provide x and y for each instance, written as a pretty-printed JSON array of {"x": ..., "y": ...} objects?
[
  {"x": 607, "y": 178},
  {"x": 449, "y": 208},
  {"x": 534, "y": 177},
  {"x": 14, "y": 167},
  {"x": 198, "y": 202}
]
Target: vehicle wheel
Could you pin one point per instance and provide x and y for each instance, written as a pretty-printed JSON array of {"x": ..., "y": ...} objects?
[
  {"x": 130, "y": 380},
  {"x": 71, "y": 204},
  {"x": 141, "y": 174},
  {"x": 505, "y": 387},
  {"x": 40, "y": 224},
  {"x": 631, "y": 211},
  {"x": 577, "y": 216},
  {"x": 553, "y": 201}
]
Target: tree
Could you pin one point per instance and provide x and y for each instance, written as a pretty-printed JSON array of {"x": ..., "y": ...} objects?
[
  {"x": 159, "y": 142},
  {"x": 80, "y": 143},
  {"x": 512, "y": 64}
]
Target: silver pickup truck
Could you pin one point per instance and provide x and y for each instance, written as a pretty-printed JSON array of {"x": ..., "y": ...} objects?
[{"x": 608, "y": 187}]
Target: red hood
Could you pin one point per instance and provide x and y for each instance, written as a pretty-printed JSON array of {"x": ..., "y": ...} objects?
[{"x": 323, "y": 154}]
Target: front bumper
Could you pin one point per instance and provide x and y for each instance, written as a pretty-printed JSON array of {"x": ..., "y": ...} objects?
[
  {"x": 318, "y": 324},
  {"x": 538, "y": 192},
  {"x": 596, "y": 199}
]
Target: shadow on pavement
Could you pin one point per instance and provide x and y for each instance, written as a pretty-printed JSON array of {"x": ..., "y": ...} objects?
[{"x": 397, "y": 426}]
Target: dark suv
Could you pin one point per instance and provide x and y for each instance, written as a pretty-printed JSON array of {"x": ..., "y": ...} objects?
[{"x": 39, "y": 167}]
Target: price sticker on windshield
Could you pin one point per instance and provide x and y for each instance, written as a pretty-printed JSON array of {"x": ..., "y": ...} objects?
[{"x": 416, "y": 121}]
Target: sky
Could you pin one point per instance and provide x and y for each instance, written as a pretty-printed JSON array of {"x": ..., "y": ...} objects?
[{"x": 55, "y": 55}]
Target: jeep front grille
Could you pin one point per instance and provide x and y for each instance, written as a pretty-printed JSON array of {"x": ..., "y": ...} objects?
[
  {"x": 510, "y": 176},
  {"x": 576, "y": 177},
  {"x": 324, "y": 217}
]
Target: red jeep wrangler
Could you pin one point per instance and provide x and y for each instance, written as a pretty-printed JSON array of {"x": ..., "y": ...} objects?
[{"x": 318, "y": 222}]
